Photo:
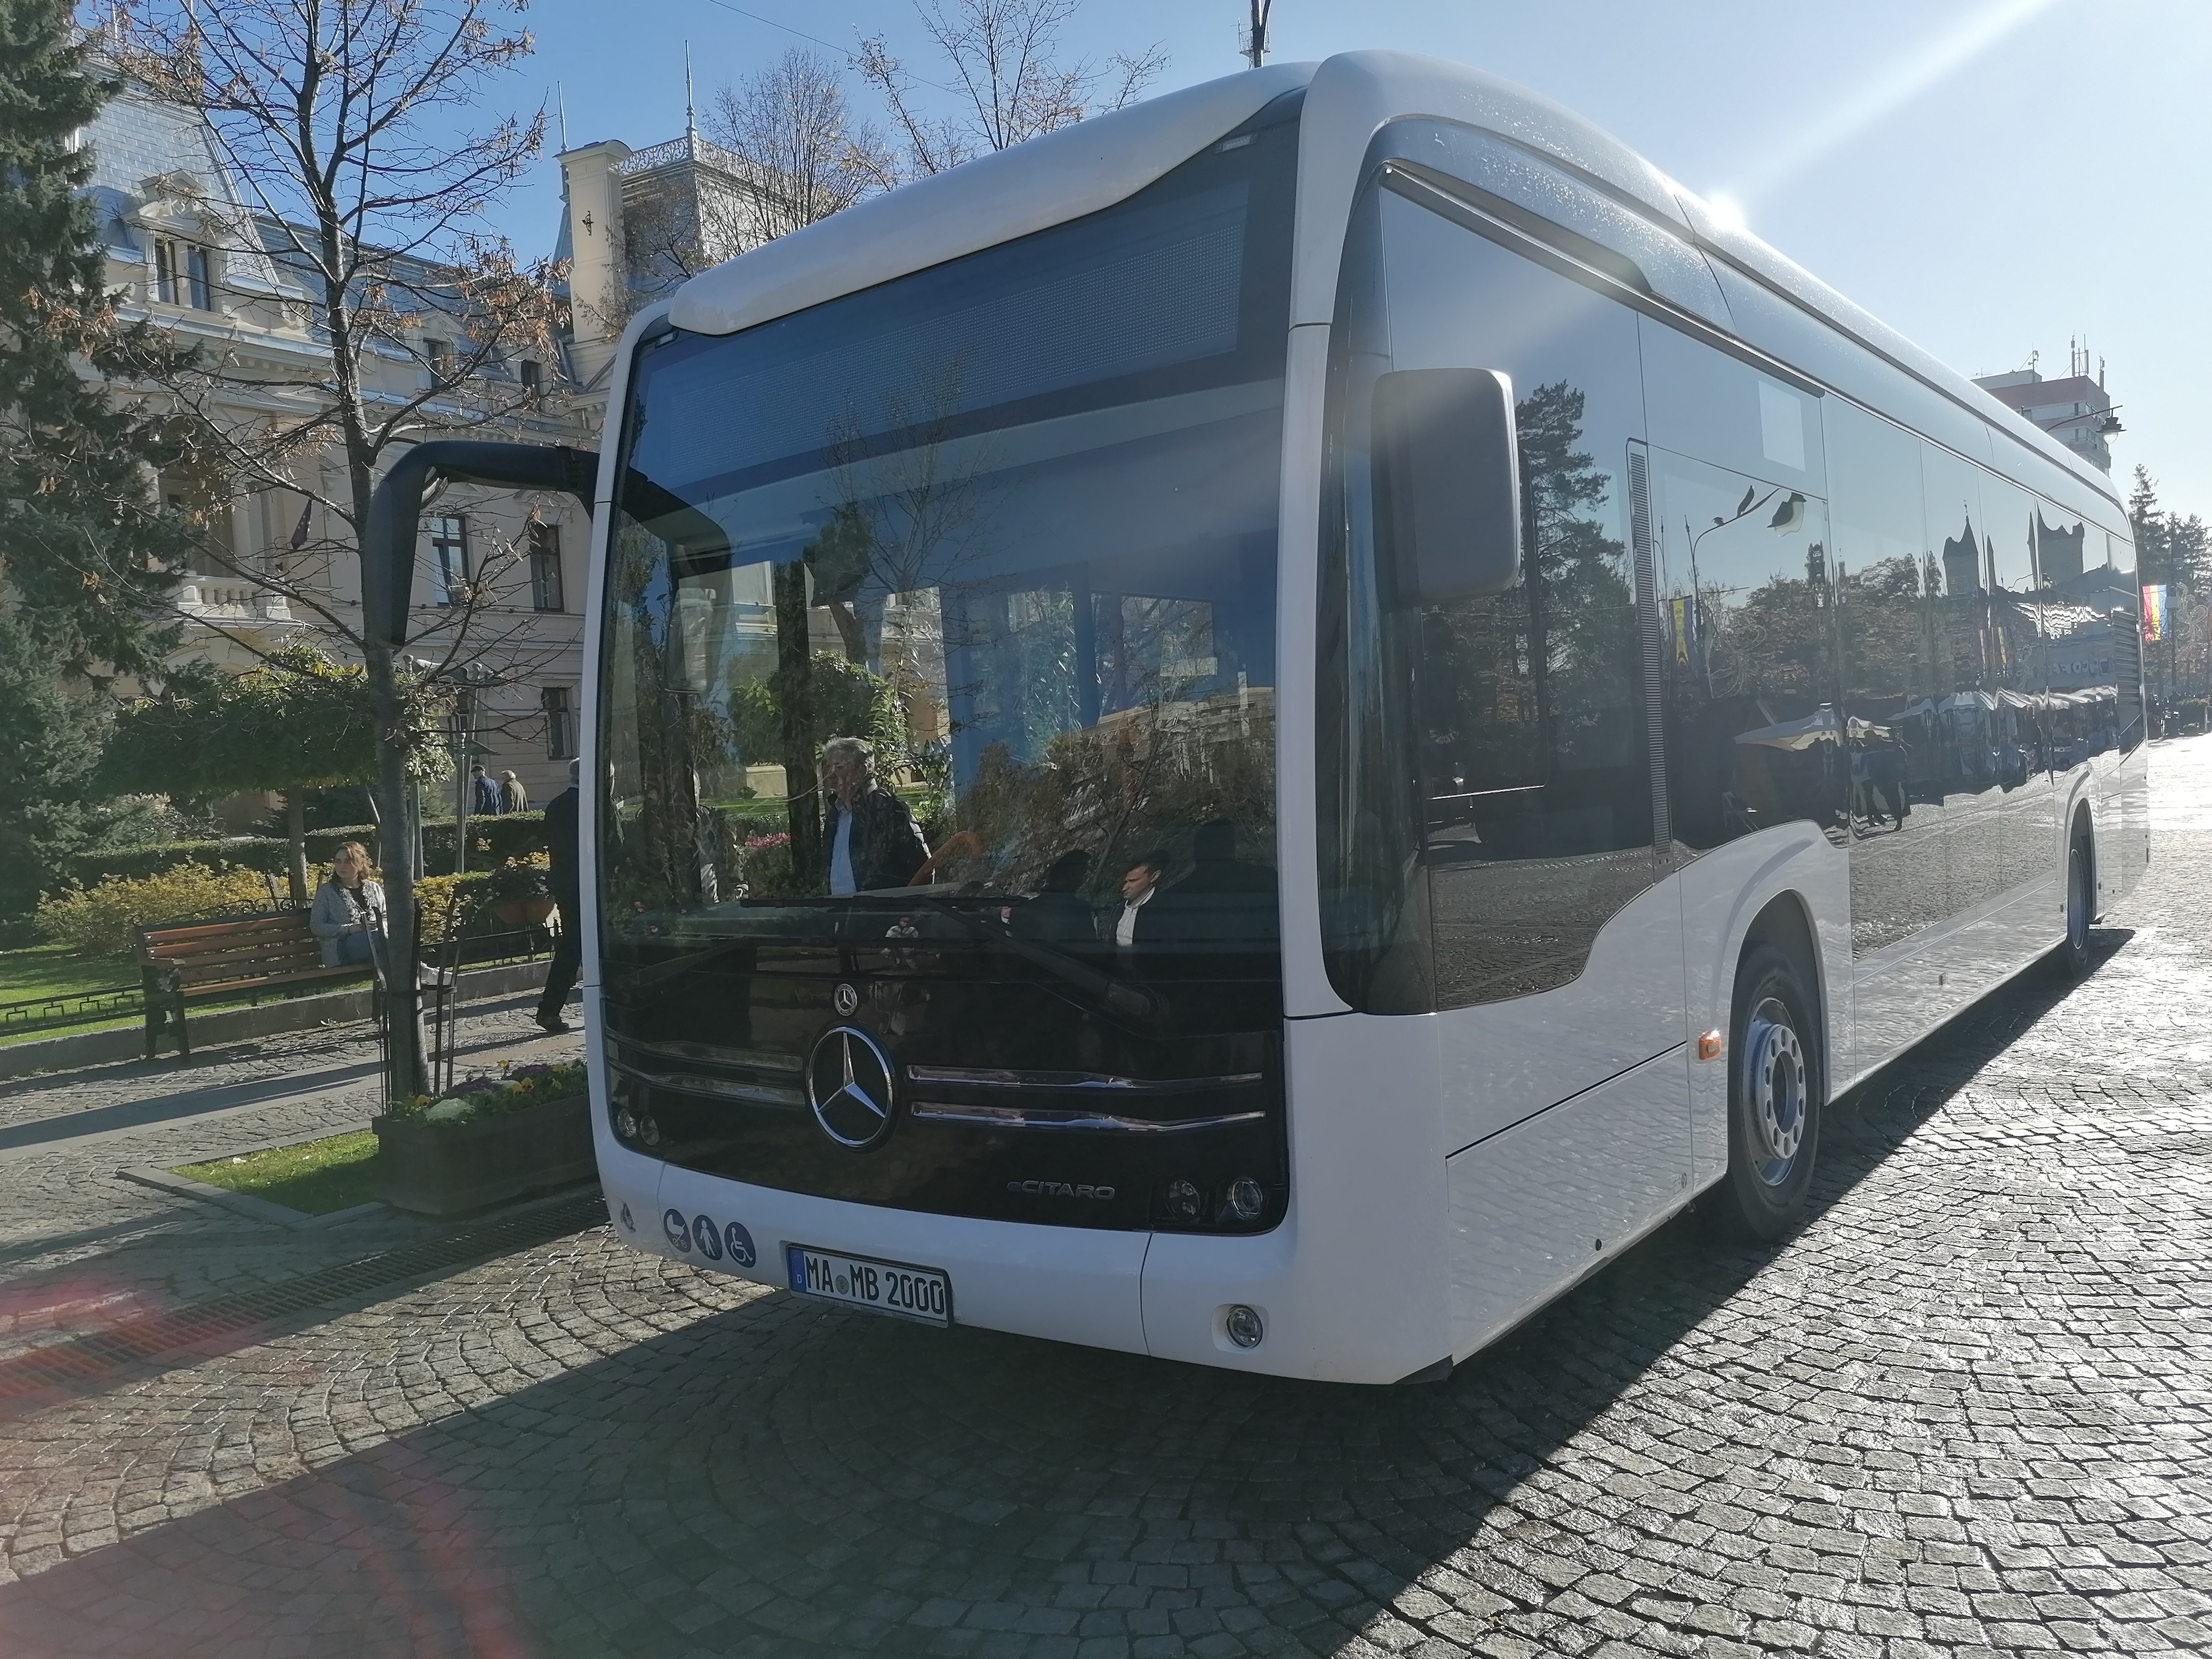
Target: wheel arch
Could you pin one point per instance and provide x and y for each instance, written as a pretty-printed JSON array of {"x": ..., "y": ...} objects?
[{"x": 1785, "y": 921}]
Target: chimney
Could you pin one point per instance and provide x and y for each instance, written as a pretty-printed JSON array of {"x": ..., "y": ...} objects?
[{"x": 598, "y": 288}]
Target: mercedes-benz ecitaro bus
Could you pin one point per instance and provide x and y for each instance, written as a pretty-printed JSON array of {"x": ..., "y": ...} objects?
[{"x": 1262, "y": 730}]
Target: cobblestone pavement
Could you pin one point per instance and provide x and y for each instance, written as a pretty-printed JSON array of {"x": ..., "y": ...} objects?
[
  {"x": 81, "y": 1247},
  {"x": 1967, "y": 1410}
]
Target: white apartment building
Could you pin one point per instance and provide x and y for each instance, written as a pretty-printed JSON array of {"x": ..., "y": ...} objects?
[{"x": 2076, "y": 410}]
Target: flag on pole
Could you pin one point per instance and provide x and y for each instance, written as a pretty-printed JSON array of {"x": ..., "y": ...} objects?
[
  {"x": 2154, "y": 613},
  {"x": 1683, "y": 613}
]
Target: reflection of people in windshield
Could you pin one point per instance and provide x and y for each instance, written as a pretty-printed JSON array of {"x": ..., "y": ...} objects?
[
  {"x": 870, "y": 839},
  {"x": 1138, "y": 888},
  {"x": 1058, "y": 914},
  {"x": 1223, "y": 899},
  {"x": 1216, "y": 868}
]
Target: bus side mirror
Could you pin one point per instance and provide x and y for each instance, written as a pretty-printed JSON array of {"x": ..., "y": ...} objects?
[{"x": 1448, "y": 480}]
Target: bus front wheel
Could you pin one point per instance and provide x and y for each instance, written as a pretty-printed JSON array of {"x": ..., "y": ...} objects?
[
  {"x": 1776, "y": 1083},
  {"x": 2071, "y": 958}
]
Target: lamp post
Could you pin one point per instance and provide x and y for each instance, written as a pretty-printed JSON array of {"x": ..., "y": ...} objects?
[{"x": 471, "y": 677}]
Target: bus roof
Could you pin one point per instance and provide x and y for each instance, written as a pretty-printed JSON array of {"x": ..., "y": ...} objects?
[{"x": 1081, "y": 169}]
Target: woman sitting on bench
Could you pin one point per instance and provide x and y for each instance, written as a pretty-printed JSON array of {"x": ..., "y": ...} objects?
[{"x": 349, "y": 912}]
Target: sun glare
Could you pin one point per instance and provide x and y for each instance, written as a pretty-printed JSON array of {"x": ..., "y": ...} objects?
[
  {"x": 1727, "y": 212},
  {"x": 1896, "y": 84}
]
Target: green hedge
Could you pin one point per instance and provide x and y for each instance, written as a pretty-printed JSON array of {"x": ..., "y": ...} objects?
[{"x": 512, "y": 834}]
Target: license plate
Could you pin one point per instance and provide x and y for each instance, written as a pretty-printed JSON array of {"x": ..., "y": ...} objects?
[{"x": 890, "y": 1287}]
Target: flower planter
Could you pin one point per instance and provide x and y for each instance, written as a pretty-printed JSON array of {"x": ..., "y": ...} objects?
[
  {"x": 517, "y": 913},
  {"x": 447, "y": 1168}
]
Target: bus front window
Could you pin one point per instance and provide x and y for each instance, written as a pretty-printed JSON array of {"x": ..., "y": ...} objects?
[{"x": 951, "y": 603}]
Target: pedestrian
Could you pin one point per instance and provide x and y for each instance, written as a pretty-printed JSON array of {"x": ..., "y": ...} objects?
[
  {"x": 870, "y": 839},
  {"x": 512, "y": 797},
  {"x": 348, "y": 916},
  {"x": 484, "y": 791},
  {"x": 1141, "y": 884},
  {"x": 569, "y": 893}
]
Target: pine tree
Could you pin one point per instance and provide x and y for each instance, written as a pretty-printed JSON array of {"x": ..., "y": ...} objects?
[{"x": 86, "y": 560}]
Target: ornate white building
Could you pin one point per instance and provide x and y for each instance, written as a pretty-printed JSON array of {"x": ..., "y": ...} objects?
[{"x": 189, "y": 256}]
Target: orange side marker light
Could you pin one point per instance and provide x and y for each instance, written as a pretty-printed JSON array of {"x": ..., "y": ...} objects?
[{"x": 1711, "y": 1045}]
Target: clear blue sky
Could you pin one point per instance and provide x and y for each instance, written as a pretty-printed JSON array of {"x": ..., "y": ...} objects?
[{"x": 1989, "y": 176}]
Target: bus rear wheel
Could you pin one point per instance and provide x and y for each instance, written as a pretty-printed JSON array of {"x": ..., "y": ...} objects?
[
  {"x": 2071, "y": 958},
  {"x": 1776, "y": 1083}
]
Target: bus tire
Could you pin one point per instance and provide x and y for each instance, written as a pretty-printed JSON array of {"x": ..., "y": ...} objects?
[
  {"x": 1777, "y": 1079},
  {"x": 2071, "y": 959}
]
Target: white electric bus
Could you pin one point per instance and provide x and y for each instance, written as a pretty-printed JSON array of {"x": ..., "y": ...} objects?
[{"x": 1261, "y": 731}]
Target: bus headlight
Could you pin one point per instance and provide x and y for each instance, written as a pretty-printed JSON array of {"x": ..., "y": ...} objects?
[
  {"x": 1243, "y": 1326},
  {"x": 626, "y": 1123},
  {"x": 1246, "y": 1198},
  {"x": 1183, "y": 1201}
]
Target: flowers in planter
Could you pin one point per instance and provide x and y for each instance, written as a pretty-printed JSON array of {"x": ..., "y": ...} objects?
[
  {"x": 518, "y": 880},
  {"x": 487, "y": 1094}
]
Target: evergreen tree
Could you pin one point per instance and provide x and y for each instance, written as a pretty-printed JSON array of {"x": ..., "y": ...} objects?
[
  {"x": 50, "y": 747},
  {"x": 86, "y": 560}
]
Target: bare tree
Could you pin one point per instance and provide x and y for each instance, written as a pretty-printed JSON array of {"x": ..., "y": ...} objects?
[
  {"x": 1008, "y": 75},
  {"x": 809, "y": 156},
  {"x": 356, "y": 192}
]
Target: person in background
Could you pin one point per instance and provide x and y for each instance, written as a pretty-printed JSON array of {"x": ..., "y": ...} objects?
[
  {"x": 348, "y": 916},
  {"x": 484, "y": 791},
  {"x": 569, "y": 893},
  {"x": 1058, "y": 914},
  {"x": 1141, "y": 886},
  {"x": 512, "y": 797},
  {"x": 869, "y": 839}
]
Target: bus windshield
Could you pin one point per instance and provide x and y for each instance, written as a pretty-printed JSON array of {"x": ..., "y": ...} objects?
[{"x": 949, "y": 606}]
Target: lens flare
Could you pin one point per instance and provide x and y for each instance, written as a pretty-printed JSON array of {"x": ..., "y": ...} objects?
[{"x": 1886, "y": 91}]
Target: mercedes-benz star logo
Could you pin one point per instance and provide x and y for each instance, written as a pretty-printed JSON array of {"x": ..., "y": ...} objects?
[
  {"x": 846, "y": 999},
  {"x": 848, "y": 1084}
]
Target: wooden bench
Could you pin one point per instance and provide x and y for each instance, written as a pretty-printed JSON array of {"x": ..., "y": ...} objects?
[{"x": 188, "y": 962}]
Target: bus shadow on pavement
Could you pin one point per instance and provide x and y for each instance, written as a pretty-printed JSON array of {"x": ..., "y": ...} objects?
[{"x": 781, "y": 1477}]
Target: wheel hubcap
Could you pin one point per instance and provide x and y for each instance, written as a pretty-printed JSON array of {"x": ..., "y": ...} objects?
[{"x": 1776, "y": 1083}]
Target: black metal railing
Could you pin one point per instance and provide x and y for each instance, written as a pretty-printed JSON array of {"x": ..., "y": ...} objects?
[{"x": 71, "y": 1008}]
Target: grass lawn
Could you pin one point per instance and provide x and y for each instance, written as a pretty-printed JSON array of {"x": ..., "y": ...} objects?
[
  {"x": 56, "y": 970},
  {"x": 316, "y": 1176}
]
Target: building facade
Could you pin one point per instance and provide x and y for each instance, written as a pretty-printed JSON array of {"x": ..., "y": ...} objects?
[
  {"x": 2076, "y": 409},
  {"x": 499, "y": 575}
]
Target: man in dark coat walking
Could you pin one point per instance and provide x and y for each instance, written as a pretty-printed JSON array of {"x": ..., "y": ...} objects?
[
  {"x": 869, "y": 838},
  {"x": 568, "y": 892}
]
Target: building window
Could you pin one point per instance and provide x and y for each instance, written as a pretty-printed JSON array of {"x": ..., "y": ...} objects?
[
  {"x": 437, "y": 360},
  {"x": 449, "y": 559},
  {"x": 533, "y": 383},
  {"x": 180, "y": 275},
  {"x": 557, "y": 701},
  {"x": 545, "y": 590}
]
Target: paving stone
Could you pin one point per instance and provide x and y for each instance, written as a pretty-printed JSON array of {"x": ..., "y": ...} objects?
[{"x": 1963, "y": 1411}]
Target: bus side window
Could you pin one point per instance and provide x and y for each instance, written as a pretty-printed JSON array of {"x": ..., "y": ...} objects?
[
  {"x": 1530, "y": 823},
  {"x": 1754, "y": 736}
]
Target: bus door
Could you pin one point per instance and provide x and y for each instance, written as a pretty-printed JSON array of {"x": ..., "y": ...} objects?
[{"x": 1523, "y": 904}]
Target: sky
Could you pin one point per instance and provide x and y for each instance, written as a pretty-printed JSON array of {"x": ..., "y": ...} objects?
[{"x": 1990, "y": 176}]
